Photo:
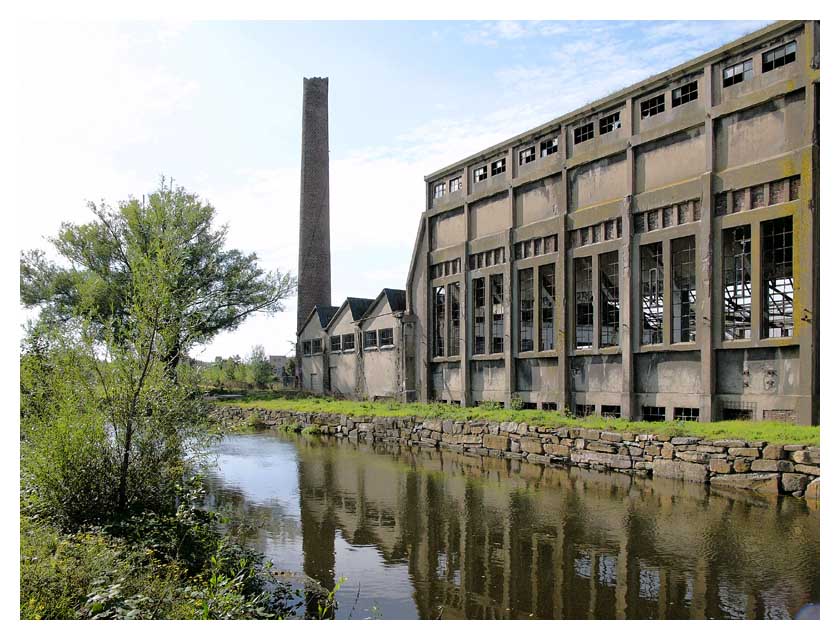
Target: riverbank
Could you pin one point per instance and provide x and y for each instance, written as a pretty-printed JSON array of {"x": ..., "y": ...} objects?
[
  {"x": 152, "y": 567},
  {"x": 724, "y": 462},
  {"x": 771, "y": 432}
]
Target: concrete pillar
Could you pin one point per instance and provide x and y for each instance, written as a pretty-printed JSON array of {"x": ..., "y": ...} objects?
[
  {"x": 628, "y": 283},
  {"x": 707, "y": 324},
  {"x": 560, "y": 289}
]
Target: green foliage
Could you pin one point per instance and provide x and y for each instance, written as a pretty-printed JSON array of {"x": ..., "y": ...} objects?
[
  {"x": 777, "y": 432},
  {"x": 209, "y": 288},
  {"x": 311, "y": 430},
  {"x": 260, "y": 367},
  {"x": 178, "y": 567},
  {"x": 102, "y": 438},
  {"x": 232, "y": 374}
]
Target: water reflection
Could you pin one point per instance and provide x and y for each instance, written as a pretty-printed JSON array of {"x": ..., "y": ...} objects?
[{"x": 431, "y": 534}]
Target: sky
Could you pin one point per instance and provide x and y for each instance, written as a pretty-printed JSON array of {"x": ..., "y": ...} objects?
[{"x": 105, "y": 109}]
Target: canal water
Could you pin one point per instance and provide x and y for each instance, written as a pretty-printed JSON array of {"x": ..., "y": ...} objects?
[{"x": 435, "y": 534}]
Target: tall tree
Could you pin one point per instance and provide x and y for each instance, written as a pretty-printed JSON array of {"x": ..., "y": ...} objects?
[{"x": 210, "y": 288}]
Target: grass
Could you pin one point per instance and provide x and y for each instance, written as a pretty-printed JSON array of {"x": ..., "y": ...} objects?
[{"x": 776, "y": 432}]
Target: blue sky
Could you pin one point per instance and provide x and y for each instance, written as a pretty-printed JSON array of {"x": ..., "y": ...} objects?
[{"x": 105, "y": 108}]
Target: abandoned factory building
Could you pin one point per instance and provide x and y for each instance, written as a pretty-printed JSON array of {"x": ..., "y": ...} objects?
[
  {"x": 653, "y": 255},
  {"x": 353, "y": 351}
]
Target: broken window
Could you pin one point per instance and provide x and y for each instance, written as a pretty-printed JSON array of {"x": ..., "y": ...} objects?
[
  {"x": 584, "y": 236},
  {"x": 538, "y": 246},
  {"x": 335, "y": 343},
  {"x": 757, "y": 197},
  {"x": 777, "y": 278},
  {"x": 370, "y": 340},
  {"x": 546, "y": 276},
  {"x": 584, "y": 410},
  {"x": 316, "y": 346},
  {"x": 794, "y": 188},
  {"x": 686, "y": 414},
  {"x": 307, "y": 347},
  {"x": 549, "y": 406},
  {"x": 737, "y": 284},
  {"x": 548, "y": 147},
  {"x": 720, "y": 204},
  {"x": 610, "y": 308},
  {"x": 439, "y": 325},
  {"x": 652, "y": 220},
  {"x": 653, "y": 301},
  {"x": 609, "y": 123},
  {"x": 584, "y": 308},
  {"x": 738, "y": 199},
  {"x": 653, "y": 414},
  {"x": 527, "y": 155},
  {"x": 455, "y": 319},
  {"x": 683, "y": 213},
  {"x": 610, "y": 411},
  {"x": 737, "y": 73},
  {"x": 608, "y": 230},
  {"x": 550, "y": 244},
  {"x": 440, "y": 190},
  {"x": 455, "y": 184},
  {"x": 526, "y": 310},
  {"x": 683, "y": 290},
  {"x": 584, "y": 133},
  {"x": 639, "y": 223},
  {"x": 652, "y": 106},
  {"x": 778, "y": 57},
  {"x": 683, "y": 94},
  {"x": 480, "y": 174},
  {"x": 667, "y": 217},
  {"x": 479, "y": 316},
  {"x": 499, "y": 255},
  {"x": 596, "y": 233},
  {"x": 386, "y": 337},
  {"x": 497, "y": 344},
  {"x": 777, "y": 191},
  {"x": 348, "y": 342},
  {"x": 498, "y": 167}
]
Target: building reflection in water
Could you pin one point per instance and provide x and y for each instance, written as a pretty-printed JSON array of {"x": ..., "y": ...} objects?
[{"x": 496, "y": 539}]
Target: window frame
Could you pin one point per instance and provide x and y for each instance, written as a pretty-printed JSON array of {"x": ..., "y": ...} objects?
[
  {"x": 480, "y": 174},
  {"x": 527, "y": 155},
  {"x": 584, "y": 132},
  {"x": 498, "y": 167},
  {"x": 382, "y": 343},
  {"x": 549, "y": 146},
  {"x": 688, "y": 92},
  {"x": 439, "y": 190},
  {"x": 737, "y": 77},
  {"x": 370, "y": 340},
  {"x": 774, "y": 60},
  {"x": 609, "y": 123},
  {"x": 651, "y": 106}
]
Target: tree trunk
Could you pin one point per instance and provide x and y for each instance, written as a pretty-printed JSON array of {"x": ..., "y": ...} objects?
[{"x": 123, "y": 497}]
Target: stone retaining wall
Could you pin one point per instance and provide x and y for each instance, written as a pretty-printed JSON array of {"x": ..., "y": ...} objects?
[{"x": 737, "y": 464}]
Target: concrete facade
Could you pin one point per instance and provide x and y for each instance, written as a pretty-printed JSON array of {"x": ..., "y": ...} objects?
[{"x": 652, "y": 255}]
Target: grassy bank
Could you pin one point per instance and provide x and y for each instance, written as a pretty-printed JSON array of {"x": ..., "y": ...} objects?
[{"x": 777, "y": 432}]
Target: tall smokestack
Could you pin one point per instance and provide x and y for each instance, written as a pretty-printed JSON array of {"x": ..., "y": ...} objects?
[{"x": 314, "y": 252}]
